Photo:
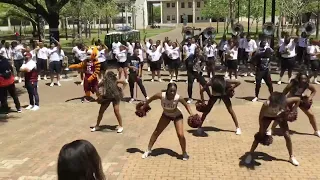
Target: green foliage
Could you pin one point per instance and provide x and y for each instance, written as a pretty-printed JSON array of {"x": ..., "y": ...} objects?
[{"x": 215, "y": 9}]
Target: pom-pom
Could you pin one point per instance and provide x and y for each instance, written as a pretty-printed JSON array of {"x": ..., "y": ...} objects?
[
  {"x": 305, "y": 103},
  {"x": 201, "y": 106},
  {"x": 142, "y": 112},
  {"x": 264, "y": 139},
  {"x": 194, "y": 121},
  {"x": 290, "y": 115}
]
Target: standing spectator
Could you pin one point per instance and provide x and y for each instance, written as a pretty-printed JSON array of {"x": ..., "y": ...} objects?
[
  {"x": 6, "y": 53},
  {"x": 42, "y": 61},
  {"x": 31, "y": 82},
  {"x": 54, "y": 62},
  {"x": 17, "y": 55}
]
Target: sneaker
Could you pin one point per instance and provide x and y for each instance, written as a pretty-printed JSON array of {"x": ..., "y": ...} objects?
[
  {"x": 131, "y": 100},
  {"x": 185, "y": 156},
  {"x": 39, "y": 77},
  {"x": 199, "y": 131},
  {"x": 20, "y": 80},
  {"x": 45, "y": 78},
  {"x": 52, "y": 84},
  {"x": 195, "y": 80},
  {"x": 120, "y": 129},
  {"x": 147, "y": 98},
  {"x": 238, "y": 131},
  {"x": 255, "y": 82},
  {"x": 126, "y": 81},
  {"x": 152, "y": 80},
  {"x": 35, "y": 108},
  {"x": 255, "y": 99},
  {"x": 81, "y": 83},
  {"x": 186, "y": 82},
  {"x": 148, "y": 69},
  {"x": 294, "y": 161},
  {"x": 146, "y": 154},
  {"x": 189, "y": 101},
  {"x": 262, "y": 81},
  {"x": 160, "y": 80},
  {"x": 94, "y": 129},
  {"x": 29, "y": 107},
  {"x": 317, "y": 133},
  {"x": 171, "y": 80},
  {"x": 251, "y": 74},
  {"x": 269, "y": 132},
  {"x": 316, "y": 82},
  {"x": 245, "y": 74},
  {"x": 248, "y": 159},
  {"x": 16, "y": 78},
  {"x": 59, "y": 84},
  {"x": 19, "y": 110},
  {"x": 279, "y": 82}
]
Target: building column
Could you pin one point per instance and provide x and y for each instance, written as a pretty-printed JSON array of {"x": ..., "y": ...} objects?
[
  {"x": 177, "y": 16},
  {"x": 193, "y": 11},
  {"x": 9, "y": 23},
  {"x": 161, "y": 15}
]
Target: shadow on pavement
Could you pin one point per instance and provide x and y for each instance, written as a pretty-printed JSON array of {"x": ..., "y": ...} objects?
[
  {"x": 156, "y": 152},
  {"x": 106, "y": 128},
  {"x": 257, "y": 156},
  {"x": 205, "y": 129},
  {"x": 247, "y": 98}
]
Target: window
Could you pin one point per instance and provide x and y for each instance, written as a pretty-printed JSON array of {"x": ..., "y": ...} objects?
[
  {"x": 201, "y": 18},
  {"x": 189, "y": 4},
  {"x": 173, "y": 5},
  {"x": 173, "y": 18},
  {"x": 198, "y": 18},
  {"x": 168, "y": 18},
  {"x": 182, "y": 4},
  {"x": 198, "y": 4},
  {"x": 168, "y": 5}
]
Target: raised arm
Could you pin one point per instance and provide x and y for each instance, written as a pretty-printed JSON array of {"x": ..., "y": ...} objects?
[{"x": 287, "y": 89}]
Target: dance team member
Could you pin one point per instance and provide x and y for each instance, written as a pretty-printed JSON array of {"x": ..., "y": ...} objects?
[
  {"x": 210, "y": 51},
  {"x": 262, "y": 64},
  {"x": 110, "y": 93},
  {"x": 288, "y": 56},
  {"x": 302, "y": 48},
  {"x": 189, "y": 50},
  {"x": 154, "y": 57},
  {"x": 135, "y": 75},
  {"x": 231, "y": 55},
  {"x": 92, "y": 70},
  {"x": 171, "y": 112},
  {"x": 241, "y": 49},
  {"x": 313, "y": 52},
  {"x": 296, "y": 88},
  {"x": 31, "y": 82},
  {"x": 273, "y": 110},
  {"x": 222, "y": 90},
  {"x": 174, "y": 62}
]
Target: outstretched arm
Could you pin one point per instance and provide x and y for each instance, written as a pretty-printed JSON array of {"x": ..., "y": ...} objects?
[
  {"x": 152, "y": 98},
  {"x": 287, "y": 89},
  {"x": 186, "y": 105},
  {"x": 77, "y": 66}
]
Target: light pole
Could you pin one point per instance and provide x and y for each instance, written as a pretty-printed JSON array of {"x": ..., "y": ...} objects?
[
  {"x": 264, "y": 11},
  {"x": 249, "y": 13},
  {"x": 318, "y": 19},
  {"x": 273, "y": 16},
  {"x": 238, "y": 10}
]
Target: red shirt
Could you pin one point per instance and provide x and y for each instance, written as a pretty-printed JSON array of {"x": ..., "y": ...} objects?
[{"x": 6, "y": 82}]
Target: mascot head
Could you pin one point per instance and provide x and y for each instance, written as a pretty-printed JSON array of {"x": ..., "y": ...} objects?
[{"x": 93, "y": 52}]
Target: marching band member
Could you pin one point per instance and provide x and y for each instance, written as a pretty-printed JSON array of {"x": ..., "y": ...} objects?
[
  {"x": 288, "y": 55},
  {"x": 250, "y": 48},
  {"x": 262, "y": 63},
  {"x": 165, "y": 51},
  {"x": 210, "y": 51},
  {"x": 171, "y": 112},
  {"x": 135, "y": 75},
  {"x": 102, "y": 58},
  {"x": 302, "y": 47},
  {"x": 189, "y": 50},
  {"x": 31, "y": 82},
  {"x": 155, "y": 62},
  {"x": 122, "y": 62},
  {"x": 174, "y": 63},
  {"x": 148, "y": 47},
  {"x": 272, "y": 110},
  {"x": 116, "y": 48},
  {"x": 54, "y": 62},
  {"x": 17, "y": 55},
  {"x": 61, "y": 55},
  {"x": 313, "y": 52},
  {"x": 231, "y": 55},
  {"x": 141, "y": 51},
  {"x": 42, "y": 61},
  {"x": 241, "y": 49}
]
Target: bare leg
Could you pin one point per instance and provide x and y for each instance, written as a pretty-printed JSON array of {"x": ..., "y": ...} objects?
[
  {"x": 179, "y": 128},
  {"x": 120, "y": 70},
  {"x": 162, "y": 124},
  {"x": 312, "y": 118},
  {"x": 102, "y": 109},
  {"x": 228, "y": 104},
  {"x": 285, "y": 128},
  {"x": 117, "y": 113},
  {"x": 125, "y": 73}
]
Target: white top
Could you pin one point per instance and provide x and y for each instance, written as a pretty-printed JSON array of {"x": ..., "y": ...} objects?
[
  {"x": 211, "y": 50},
  {"x": 54, "y": 54},
  {"x": 242, "y": 43},
  {"x": 169, "y": 105},
  {"x": 34, "y": 57},
  {"x": 130, "y": 48},
  {"x": 174, "y": 54},
  {"x": 17, "y": 52},
  {"x": 154, "y": 56},
  {"x": 116, "y": 47},
  {"x": 61, "y": 55},
  {"x": 75, "y": 51},
  {"x": 148, "y": 45},
  {"x": 312, "y": 49},
  {"x": 140, "y": 55},
  {"x": 122, "y": 56},
  {"x": 167, "y": 48},
  {"x": 266, "y": 46},
  {"x": 222, "y": 45},
  {"x": 6, "y": 53},
  {"x": 30, "y": 65},
  {"x": 102, "y": 57},
  {"x": 302, "y": 42},
  {"x": 232, "y": 52},
  {"x": 43, "y": 53},
  {"x": 189, "y": 50},
  {"x": 281, "y": 41},
  {"x": 250, "y": 46},
  {"x": 290, "y": 48}
]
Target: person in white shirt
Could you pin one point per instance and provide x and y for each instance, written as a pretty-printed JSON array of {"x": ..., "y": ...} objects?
[
  {"x": 250, "y": 48},
  {"x": 313, "y": 52},
  {"x": 122, "y": 62},
  {"x": 54, "y": 62},
  {"x": 221, "y": 48},
  {"x": 302, "y": 47},
  {"x": 102, "y": 58},
  {"x": 17, "y": 56},
  {"x": 288, "y": 56},
  {"x": 42, "y": 60},
  {"x": 141, "y": 51},
  {"x": 231, "y": 55},
  {"x": 175, "y": 62},
  {"x": 167, "y": 45},
  {"x": 210, "y": 52},
  {"x": 116, "y": 48},
  {"x": 155, "y": 63}
]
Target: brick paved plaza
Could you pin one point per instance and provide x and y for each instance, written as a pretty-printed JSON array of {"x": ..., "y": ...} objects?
[{"x": 30, "y": 141}]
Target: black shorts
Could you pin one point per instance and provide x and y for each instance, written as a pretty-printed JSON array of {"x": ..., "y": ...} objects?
[
  {"x": 232, "y": 64},
  {"x": 175, "y": 118},
  {"x": 17, "y": 64},
  {"x": 76, "y": 60},
  {"x": 287, "y": 63},
  {"x": 122, "y": 64},
  {"x": 42, "y": 64},
  {"x": 174, "y": 64},
  {"x": 103, "y": 66},
  {"x": 210, "y": 61},
  {"x": 155, "y": 65},
  {"x": 315, "y": 65},
  {"x": 55, "y": 67},
  {"x": 220, "y": 53},
  {"x": 246, "y": 57}
]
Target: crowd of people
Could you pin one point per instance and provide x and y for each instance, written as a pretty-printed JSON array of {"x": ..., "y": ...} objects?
[{"x": 239, "y": 54}]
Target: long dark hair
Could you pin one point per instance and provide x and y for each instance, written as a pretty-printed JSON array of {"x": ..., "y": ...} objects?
[
  {"x": 278, "y": 99},
  {"x": 79, "y": 160},
  {"x": 296, "y": 82},
  {"x": 110, "y": 86}
]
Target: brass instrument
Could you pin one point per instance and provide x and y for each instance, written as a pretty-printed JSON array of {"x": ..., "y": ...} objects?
[
  {"x": 237, "y": 29},
  {"x": 208, "y": 34},
  {"x": 309, "y": 28},
  {"x": 268, "y": 29},
  {"x": 188, "y": 32}
]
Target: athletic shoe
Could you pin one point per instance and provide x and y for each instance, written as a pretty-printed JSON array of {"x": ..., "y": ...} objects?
[
  {"x": 160, "y": 80},
  {"x": 245, "y": 74},
  {"x": 29, "y": 107},
  {"x": 131, "y": 100},
  {"x": 316, "y": 82},
  {"x": 19, "y": 110},
  {"x": 148, "y": 69},
  {"x": 35, "y": 108},
  {"x": 81, "y": 83},
  {"x": 248, "y": 159},
  {"x": 171, "y": 81},
  {"x": 16, "y": 78},
  {"x": 269, "y": 132},
  {"x": 39, "y": 77},
  {"x": 59, "y": 84},
  {"x": 189, "y": 101},
  {"x": 238, "y": 131},
  {"x": 185, "y": 156},
  {"x": 262, "y": 81},
  {"x": 147, "y": 98},
  {"x": 255, "y": 99},
  {"x": 279, "y": 82},
  {"x": 294, "y": 161},
  {"x": 45, "y": 78},
  {"x": 317, "y": 133},
  {"x": 120, "y": 129},
  {"x": 251, "y": 74},
  {"x": 146, "y": 154},
  {"x": 152, "y": 80},
  {"x": 52, "y": 84},
  {"x": 126, "y": 81},
  {"x": 20, "y": 80}
]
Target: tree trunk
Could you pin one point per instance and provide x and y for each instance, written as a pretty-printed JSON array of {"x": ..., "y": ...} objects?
[
  {"x": 231, "y": 11},
  {"x": 217, "y": 25},
  {"x": 292, "y": 27},
  {"x": 224, "y": 25},
  {"x": 34, "y": 29},
  {"x": 90, "y": 26},
  {"x": 99, "y": 27},
  {"x": 257, "y": 28},
  {"x": 53, "y": 22}
]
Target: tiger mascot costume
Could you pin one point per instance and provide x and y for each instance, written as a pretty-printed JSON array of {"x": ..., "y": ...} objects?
[{"x": 91, "y": 67}]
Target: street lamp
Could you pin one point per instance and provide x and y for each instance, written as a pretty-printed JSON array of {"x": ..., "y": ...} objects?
[{"x": 249, "y": 13}]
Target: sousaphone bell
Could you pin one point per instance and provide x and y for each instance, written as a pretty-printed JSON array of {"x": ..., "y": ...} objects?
[
  {"x": 309, "y": 28},
  {"x": 237, "y": 29},
  {"x": 268, "y": 29},
  {"x": 188, "y": 32}
]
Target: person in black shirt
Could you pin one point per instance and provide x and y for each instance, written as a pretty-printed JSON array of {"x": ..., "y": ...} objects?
[
  {"x": 262, "y": 63},
  {"x": 135, "y": 74}
]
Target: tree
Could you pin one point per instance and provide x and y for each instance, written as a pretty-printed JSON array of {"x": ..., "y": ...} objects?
[
  {"x": 48, "y": 9},
  {"x": 215, "y": 9}
]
